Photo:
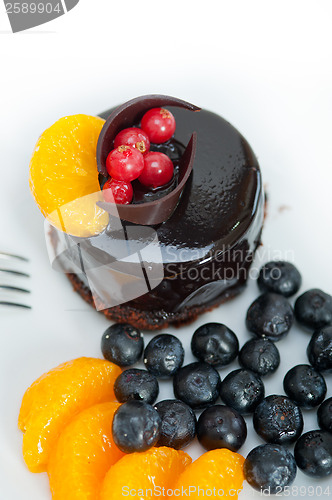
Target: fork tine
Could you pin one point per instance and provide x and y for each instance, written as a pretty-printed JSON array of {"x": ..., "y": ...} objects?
[
  {"x": 6, "y": 255},
  {"x": 14, "y": 304},
  {"x": 14, "y": 288},
  {"x": 17, "y": 273}
]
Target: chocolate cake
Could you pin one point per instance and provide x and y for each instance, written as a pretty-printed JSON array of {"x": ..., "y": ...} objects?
[{"x": 207, "y": 234}]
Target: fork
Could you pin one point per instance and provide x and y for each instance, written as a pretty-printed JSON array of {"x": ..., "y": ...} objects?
[{"x": 12, "y": 272}]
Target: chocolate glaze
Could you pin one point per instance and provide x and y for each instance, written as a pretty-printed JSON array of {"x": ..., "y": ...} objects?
[{"x": 209, "y": 241}]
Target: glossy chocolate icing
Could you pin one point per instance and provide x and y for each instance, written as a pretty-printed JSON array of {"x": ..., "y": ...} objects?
[{"x": 209, "y": 241}]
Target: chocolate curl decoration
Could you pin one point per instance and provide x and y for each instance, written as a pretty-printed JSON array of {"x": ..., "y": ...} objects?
[
  {"x": 125, "y": 116},
  {"x": 157, "y": 211},
  {"x": 152, "y": 212}
]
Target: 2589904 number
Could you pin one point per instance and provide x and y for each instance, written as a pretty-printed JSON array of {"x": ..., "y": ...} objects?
[
  {"x": 32, "y": 8},
  {"x": 316, "y": 491}
]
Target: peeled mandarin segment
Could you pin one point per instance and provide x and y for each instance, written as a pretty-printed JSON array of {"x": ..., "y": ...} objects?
[
  {"x": 83, "y": 454},
  {"x": 81, "y": 217},
  {"x": 155, "y": 468},
  {"x": 221, "y": 469},
  {"x": 55, "y": 398},
  {"x": 63, "y": 169}
]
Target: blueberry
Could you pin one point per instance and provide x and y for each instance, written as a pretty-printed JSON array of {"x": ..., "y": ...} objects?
[
  {"x": 215, "y": 344},
  {"x": 221, "y": 427},
  {"x": 313, "y": 309},
  {"x": 122, "y": 344},
  {"x": 178, "y": 424},
  {"x": 270, "y": 316},
  {"x": 305, "y": 386},
  {"x": 197, "y": 385},
  {"x": 279, "y": 277},
  {"x": 270, "y": 467},
  {"x": 324, "y": 415},
  {"x": 313, "y": 453},
  {"x": 319, "y": 350},
  {"x": 243, "y": 390},
  {"x": 135, "y": 384},
  {"x": 164, "y": 355},
  {"x": 260, "y": 355},
  {"x": 136, "y": 426},
  {"x": 278, "y": 420}
]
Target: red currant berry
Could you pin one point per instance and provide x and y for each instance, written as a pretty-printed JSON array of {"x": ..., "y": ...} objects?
[
  {"x": 134, "y": 137},
  {"x": 118, "y": 192},
  {"x": 159, "y": 124},
  {"x": 125, "y": 163},
  {"x": 158, "y": 170}
]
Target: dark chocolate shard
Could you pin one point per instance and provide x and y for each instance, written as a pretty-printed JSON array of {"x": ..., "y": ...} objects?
[
  {"x": 157, "y": 211},
  {"x": 127, "y": 115}
]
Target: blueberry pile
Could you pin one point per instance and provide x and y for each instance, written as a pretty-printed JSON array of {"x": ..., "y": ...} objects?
[{"x": 277, "y": 418}]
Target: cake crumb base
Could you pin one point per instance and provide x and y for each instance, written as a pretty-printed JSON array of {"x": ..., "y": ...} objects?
[{"x": 153, "y": 320}]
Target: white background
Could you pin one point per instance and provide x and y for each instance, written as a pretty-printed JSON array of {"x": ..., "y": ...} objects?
[{"x": 264, "y": 65}]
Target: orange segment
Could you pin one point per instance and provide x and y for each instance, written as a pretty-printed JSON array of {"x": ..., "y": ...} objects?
[
  {"x": 153, "y": 470},
  {"x": 83, "y": 454},
  {"x": 64, "y": 175},
  {"x": 55, "y": 398},
  {"x": 217, "y": 470}
]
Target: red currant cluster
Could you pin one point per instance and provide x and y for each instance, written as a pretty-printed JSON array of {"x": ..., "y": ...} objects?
[{"x": 132, "y": 159}]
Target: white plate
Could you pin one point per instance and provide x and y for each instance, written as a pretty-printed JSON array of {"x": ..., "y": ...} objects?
[
  {"x": 61, "y": 326},
  {"x": 275, "y": 88}
]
